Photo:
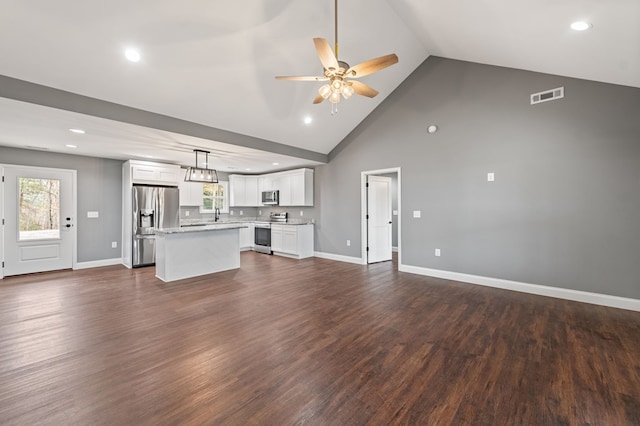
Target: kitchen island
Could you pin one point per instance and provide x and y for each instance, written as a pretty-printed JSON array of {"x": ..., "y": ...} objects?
[{"x": 194, "y": 251}]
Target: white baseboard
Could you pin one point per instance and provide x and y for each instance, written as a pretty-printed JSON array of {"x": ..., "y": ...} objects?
[
  {"x": 394, "y": 249},
  {"x": 339, "y": 257},
  {"x": 98, "y": 263},
  {"x": 560, "y": 293}
]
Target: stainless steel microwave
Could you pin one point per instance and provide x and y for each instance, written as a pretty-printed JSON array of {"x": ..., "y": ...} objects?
[{"x": 270, "y": 197}]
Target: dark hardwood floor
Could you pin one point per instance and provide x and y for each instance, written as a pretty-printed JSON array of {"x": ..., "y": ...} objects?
[{"x": 314, "y": 341}]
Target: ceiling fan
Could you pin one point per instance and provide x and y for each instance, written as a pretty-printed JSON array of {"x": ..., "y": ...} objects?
[{"x": 340, "y": 75}]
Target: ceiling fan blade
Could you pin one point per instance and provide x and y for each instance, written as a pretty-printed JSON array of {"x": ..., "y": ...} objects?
[
  {"x": 363, "y": 89},
  {"x": 325, "y": 54},
  {"x": 318, "y": 99},
  {"x": 300, "y": 78},
  {"x": 371, "y": 66}
]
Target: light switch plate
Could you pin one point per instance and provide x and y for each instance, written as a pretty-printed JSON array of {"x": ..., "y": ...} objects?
[
  {"x": 437, "y": 252},
  {"x": 186, "y": 213},
  {"x": 93, "y": 215},
  {"x": 491, "y": 177},
  {"x": 395, "y": 212},
  {"x": 417, "y": 213},
  {"x": 301, "y": 213},
  {"x": 114, "y": 244}
]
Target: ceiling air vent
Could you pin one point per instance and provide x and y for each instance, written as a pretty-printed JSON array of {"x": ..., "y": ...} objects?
[{"x": 549, "y": 95}]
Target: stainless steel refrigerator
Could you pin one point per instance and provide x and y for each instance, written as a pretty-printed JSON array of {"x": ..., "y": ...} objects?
[{"x": 153, "y": 207}]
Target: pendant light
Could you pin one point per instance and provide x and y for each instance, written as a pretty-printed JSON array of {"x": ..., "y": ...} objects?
[{"x": 200, "y": 174}]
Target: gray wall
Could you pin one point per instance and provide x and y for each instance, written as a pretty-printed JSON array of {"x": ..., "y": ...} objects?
[
  {"x": 99, "y": 189},
  {"x": 563, "y": 210}
]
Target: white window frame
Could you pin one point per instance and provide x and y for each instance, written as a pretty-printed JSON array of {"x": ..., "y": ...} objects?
[{"x": 225, "y": 198}]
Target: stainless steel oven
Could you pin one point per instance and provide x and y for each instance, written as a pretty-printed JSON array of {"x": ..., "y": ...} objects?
[{"x": 262, "y": 242}]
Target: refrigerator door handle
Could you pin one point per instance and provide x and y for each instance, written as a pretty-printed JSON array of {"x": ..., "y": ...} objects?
[{"x": 145, "y": 237}]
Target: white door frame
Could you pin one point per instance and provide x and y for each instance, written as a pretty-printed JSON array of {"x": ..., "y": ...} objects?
[
  {"x": 74, "y": 201},
  {"x": 363, "y": 209}
]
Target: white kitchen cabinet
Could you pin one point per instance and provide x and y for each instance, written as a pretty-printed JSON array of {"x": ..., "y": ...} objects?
[
  {"x": 247, "y": 237},
  {"x": 282, "y": 182},
  {"x": 301, "y": 187},
  {"x": 236, "y": 190},
  {"x": 266, "y": 182},
  {"x": 154, "y": 173},
  {"x": 292, "y": 240},
  {"x": 243, "y": 191},
  {"x": 190, "y": 193},
  {"x": 295, "y": 187},
  {"x": 251, "y": 191}
]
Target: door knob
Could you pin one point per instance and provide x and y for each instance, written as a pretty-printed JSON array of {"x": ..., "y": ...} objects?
[
  {"x": 68, "y": 218},
  {"x": 68, "y": 225},
  {"x": 390, "y": 222}
]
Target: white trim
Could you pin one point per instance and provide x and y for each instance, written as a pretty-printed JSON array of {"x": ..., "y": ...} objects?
[
  {"x": 97, "y": 263},
  {"x": 560, "y": 293},
  {"x": 339, "y": 258},
  {"x": 394, "y": 249}
]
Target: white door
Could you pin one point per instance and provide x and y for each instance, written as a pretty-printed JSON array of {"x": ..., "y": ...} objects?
[
  {"x": 379, "y": 222},
  {"x": 39, "y": 219}
]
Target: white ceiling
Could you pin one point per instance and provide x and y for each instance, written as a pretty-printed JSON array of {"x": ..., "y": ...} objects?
[{"x": 213, "y": 63}]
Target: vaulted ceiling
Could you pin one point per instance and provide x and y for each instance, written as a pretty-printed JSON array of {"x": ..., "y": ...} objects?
[{"x": 212, "y": 64}]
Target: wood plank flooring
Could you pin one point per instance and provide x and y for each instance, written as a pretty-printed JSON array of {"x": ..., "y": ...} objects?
[{"x": 315, "y": 342}]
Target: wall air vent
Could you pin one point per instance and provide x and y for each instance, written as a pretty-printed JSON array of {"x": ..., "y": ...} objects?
[{"x": 548, "y": 95}]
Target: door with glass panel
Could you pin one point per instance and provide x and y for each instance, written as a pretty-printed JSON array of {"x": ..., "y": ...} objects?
[{"x": 39, "y": 231}]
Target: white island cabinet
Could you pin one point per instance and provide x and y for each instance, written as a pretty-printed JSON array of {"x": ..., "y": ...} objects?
[{"x": 194, "y": 251}]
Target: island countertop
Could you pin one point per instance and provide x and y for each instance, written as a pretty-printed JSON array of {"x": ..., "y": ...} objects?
[{"x": 212, "y": 227}]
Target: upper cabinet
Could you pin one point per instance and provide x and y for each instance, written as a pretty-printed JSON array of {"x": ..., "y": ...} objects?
[
  {"x": 243, "y": 191},
  {"x": 148, "y": 173},
  {"x": 295, "y": 188},
  {"x": 190, "y": 193},
  {"x": 301, "y": 187}
]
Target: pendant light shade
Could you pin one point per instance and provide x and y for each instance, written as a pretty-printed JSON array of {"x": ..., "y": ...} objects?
[{"x": 201, "y": 174}]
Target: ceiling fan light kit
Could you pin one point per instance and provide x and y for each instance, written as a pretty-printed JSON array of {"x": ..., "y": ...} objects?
[{"x": 338, "y": 72}]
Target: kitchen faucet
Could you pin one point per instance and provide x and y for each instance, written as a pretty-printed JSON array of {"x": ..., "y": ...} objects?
[{"x": 217, "y": 214}]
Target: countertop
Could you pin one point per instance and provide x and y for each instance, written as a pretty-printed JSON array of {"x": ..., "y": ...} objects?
[
  {"x": 213, "y": 227},
  {"x": 197, "y": 223}
]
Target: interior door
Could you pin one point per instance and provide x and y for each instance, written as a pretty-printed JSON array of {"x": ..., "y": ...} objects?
[
  {"x": 39, "y": 214},
  {"x": 379, "y": 224}
]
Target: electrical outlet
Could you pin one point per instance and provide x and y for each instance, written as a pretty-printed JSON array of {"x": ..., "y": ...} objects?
[
  {"x": 348, "y": 242},
  {"x": 301, "y": 213},
  {"x": 241, "y": 212},
  {"x": 259, "y": 212},
  {"x": 395, "y": 212},
  {"x": 93, "y": 215},
  {"x": 186, "y": 213},
  {"x": 417, "y": 214},
  {"x": 114, "y": 244},
  {"x": 438, "y": 252},
  {"x": 491, "y": 177},
  {"x": 231, "y": 213}
]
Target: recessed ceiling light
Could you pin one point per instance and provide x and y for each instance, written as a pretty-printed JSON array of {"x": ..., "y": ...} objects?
[
  {"x": 71, "y": 146},
  {"x": 275, "y": 164},
  {"x": 132, "y": 54},
  {"x": 580, "y": 26},
  {"x": 78, "y": 131},
  {"x": 308, "y": 120}
]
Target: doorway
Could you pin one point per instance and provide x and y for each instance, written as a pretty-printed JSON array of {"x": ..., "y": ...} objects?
[
  {"x": 381, "y": 215},
  {"x": 38, "y": 206}
]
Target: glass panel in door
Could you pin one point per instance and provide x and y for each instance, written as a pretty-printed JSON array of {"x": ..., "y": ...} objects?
[{"x": 39, "y": 209}]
